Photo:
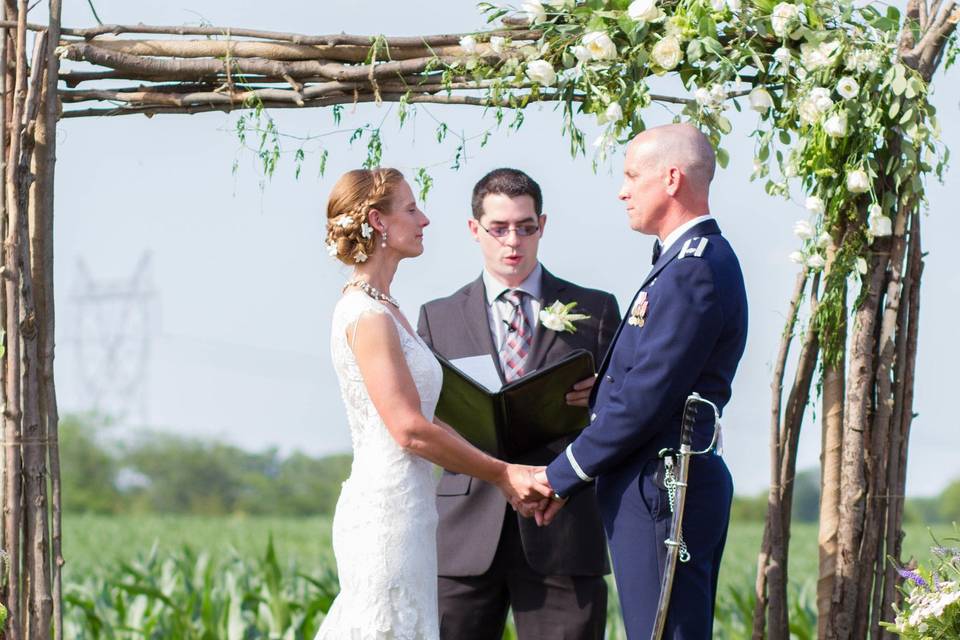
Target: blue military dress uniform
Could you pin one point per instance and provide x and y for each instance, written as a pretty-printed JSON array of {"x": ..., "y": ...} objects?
[{"x": 685, "y": 331}]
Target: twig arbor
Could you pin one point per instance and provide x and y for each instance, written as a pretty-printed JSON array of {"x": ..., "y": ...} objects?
[{"x": 862, "y": 255}]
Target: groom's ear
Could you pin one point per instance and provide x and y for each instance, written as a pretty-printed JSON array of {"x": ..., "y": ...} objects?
[
  {"x": 672, "y": 179},
  {"x": 474, "y": 227}
]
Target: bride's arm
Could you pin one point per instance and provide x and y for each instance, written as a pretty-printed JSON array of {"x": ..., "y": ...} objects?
[{"x": 376, "y": 346}]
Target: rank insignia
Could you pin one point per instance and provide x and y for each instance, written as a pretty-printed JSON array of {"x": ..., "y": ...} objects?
[{"x": 638, "y": 314}]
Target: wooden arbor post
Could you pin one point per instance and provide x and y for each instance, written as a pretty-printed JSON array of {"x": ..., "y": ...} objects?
[{"x": 31, "y": 521}]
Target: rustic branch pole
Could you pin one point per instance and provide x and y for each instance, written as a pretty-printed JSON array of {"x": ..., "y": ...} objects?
[
  {"x": 42, "y": 198},
  {"x": 13, "y": 503}
]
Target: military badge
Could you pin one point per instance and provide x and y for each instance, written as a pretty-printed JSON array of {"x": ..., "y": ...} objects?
[{"x": 638, "y": 314}]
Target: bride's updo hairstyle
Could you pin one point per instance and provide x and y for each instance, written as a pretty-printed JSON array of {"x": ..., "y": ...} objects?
[{"x": 350, "y": 238}]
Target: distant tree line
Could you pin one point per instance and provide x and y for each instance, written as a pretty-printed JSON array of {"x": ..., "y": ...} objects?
[
  {"x": 168, "y": 473},
  {"x": 942, "y": 508}
]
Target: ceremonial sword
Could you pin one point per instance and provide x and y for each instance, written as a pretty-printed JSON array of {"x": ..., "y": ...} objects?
[{"x": 676, "y": 485}]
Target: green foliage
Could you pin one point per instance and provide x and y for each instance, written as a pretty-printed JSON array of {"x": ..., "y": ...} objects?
[{"x": 191, "y": 596}]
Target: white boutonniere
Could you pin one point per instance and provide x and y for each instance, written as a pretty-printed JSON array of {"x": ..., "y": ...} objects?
[
  {"x": 638, "y": 314},
  {"x": 557, "y": 317}
]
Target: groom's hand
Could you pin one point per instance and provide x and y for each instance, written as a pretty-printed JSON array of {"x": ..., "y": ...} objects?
[
  {"x": 579, "y": 394},
  {"x": 547, "y": 509}
]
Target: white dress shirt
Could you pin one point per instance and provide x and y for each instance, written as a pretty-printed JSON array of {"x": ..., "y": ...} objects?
[
  {"x": 674, "y": 235},
  {"x": 499, "y": 310}
]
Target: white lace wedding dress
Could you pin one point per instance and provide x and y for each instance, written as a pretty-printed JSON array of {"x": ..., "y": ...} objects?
[{"x": 384, "y": 527}]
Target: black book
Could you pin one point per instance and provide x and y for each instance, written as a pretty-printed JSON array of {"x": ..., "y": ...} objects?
[{"x": 523, "y": 415}]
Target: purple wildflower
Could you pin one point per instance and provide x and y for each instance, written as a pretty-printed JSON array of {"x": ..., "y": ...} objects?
[{"x": 913, "y": 576}]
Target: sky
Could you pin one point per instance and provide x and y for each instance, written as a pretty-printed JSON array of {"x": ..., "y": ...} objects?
[{"x": 230, "y": 337}]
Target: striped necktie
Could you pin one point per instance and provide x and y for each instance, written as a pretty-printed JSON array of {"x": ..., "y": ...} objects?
[{"x": 516, "y": 343}]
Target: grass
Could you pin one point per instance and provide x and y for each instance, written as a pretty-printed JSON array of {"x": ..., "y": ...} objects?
[{"x": 196, "y": 577}]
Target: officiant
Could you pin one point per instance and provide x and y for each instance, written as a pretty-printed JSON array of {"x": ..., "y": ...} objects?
[{"x": 489, "y": 558}]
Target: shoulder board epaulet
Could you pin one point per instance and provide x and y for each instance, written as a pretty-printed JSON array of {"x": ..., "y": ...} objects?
[{"x": 693, "y": 247}]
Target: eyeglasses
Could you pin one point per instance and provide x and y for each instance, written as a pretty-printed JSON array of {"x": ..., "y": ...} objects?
[{"x": 523, "y": 230}]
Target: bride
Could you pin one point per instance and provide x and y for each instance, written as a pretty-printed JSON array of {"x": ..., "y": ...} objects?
[{"x": 384, "y": 527}]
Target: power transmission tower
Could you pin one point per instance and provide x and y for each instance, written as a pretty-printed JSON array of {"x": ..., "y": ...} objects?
[{"x": 112, "y": 340}]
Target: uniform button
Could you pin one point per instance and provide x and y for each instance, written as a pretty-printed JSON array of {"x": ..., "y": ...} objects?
[
  {"x": 593, "y": 417},
  {"x": 608, "y": 378}
]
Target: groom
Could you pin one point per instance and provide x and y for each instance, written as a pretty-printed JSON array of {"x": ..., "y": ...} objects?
[
  {"x": 685, "y": 332},
  {"x": 489, "y": 558}
]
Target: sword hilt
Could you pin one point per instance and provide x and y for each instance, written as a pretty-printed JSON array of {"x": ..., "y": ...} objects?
[{"x": 690, "y": 409}]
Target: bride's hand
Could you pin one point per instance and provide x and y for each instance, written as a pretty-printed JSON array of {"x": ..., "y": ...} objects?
[{"x": 519, "y": 484}]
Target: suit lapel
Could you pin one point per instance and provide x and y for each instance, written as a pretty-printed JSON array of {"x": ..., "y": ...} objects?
[
  {"x": 551, "y": 289},
  {"x": 477, "y": 322}
]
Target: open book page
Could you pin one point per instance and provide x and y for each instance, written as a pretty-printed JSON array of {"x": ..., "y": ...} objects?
[{"x": 481, "y": 369}]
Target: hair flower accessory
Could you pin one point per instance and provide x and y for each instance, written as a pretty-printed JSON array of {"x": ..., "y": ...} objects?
[{"x": 557, "y": 317}]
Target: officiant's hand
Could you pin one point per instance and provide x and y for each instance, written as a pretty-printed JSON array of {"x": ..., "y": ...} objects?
[
  {"x": 579, "y": 394},
  {"x": 520, "y": 484},
  {"x": 547, "y": 510}
]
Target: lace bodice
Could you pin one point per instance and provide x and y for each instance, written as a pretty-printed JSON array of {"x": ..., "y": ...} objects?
[{"x": 384, "y": 528}]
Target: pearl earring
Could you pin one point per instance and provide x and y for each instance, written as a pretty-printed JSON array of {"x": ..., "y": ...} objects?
[{"x": 383, "y": 243}]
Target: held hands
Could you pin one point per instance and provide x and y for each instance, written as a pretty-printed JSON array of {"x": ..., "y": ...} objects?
[
  {"x": 524, "y": 485},
  {"x": 539, "y": 503},
  {"x": 579, "y": 394}
]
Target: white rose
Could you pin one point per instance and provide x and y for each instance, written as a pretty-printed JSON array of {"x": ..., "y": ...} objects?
[
  {"x": 821, "y": 97},
  {"x": 600, "y": 46},
  {"x": 857, "y": 181},
  {"x": 836, "y": 125},
  {"x": 811, "y": 56},
  {"x": 468, "y": 44},
  {"x": 582, "y": 53},
  {"x": 880, "y": 226},
  {"x": 815, "y": 205},
  {"x": 808, "y": 111},
  {"x": 497, "y": 43},
  {"x": 862, "y": 266},
  {"x": 734, "y": 5},
  {"x": 718, "y": 5},
  {"x": 667, "y": 53},
  {"x": 702, "y": 96},
  {"x": 783, "y": 55},
  {"x": 541, "y": 72},
  {"x": 782, "y": 16},
  {"x": 802, "y": 229},
  {"x": 874, "y": 210},
  {"x": 797, "y": 257},
  {"x": 614, "y": 112},
  {"x": 760, "y": 100},
  {"x": 816, "y": 262},
  {"x": 551, "y": 321},
  {"x": 644, "y": 10},
  {"x": 848, "y": 88},
  {"x": 824, "y": 240},
  {"x": 534, "y": 10}
]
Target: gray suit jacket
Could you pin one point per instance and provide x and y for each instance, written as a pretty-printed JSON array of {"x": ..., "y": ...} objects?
[{"x": 472, "y": 511}]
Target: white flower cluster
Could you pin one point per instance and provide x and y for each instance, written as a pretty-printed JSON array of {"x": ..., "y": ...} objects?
[
  {"x": 541, "y": 72},
  {"x": 814, "y": 105},
  {"x": 927, "y": 606},
  {"x": 711, "y": 97},
  {"x": 644, "y": 11},
  {"x": 861, "y": 60},
  {"x": 817, "y": 56},
  {"x": 722, "y": 5}
]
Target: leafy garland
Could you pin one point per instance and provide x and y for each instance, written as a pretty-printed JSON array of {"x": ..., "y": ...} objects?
[{"x": 838, "y": 111}]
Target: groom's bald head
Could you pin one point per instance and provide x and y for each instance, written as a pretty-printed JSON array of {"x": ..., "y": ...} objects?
[
  {"x": 667, "y": 175},
  {"x": 682, "y": 146}
]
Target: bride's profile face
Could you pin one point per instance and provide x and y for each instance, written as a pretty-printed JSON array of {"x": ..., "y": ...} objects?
[{"x": 405, "y": 222}]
